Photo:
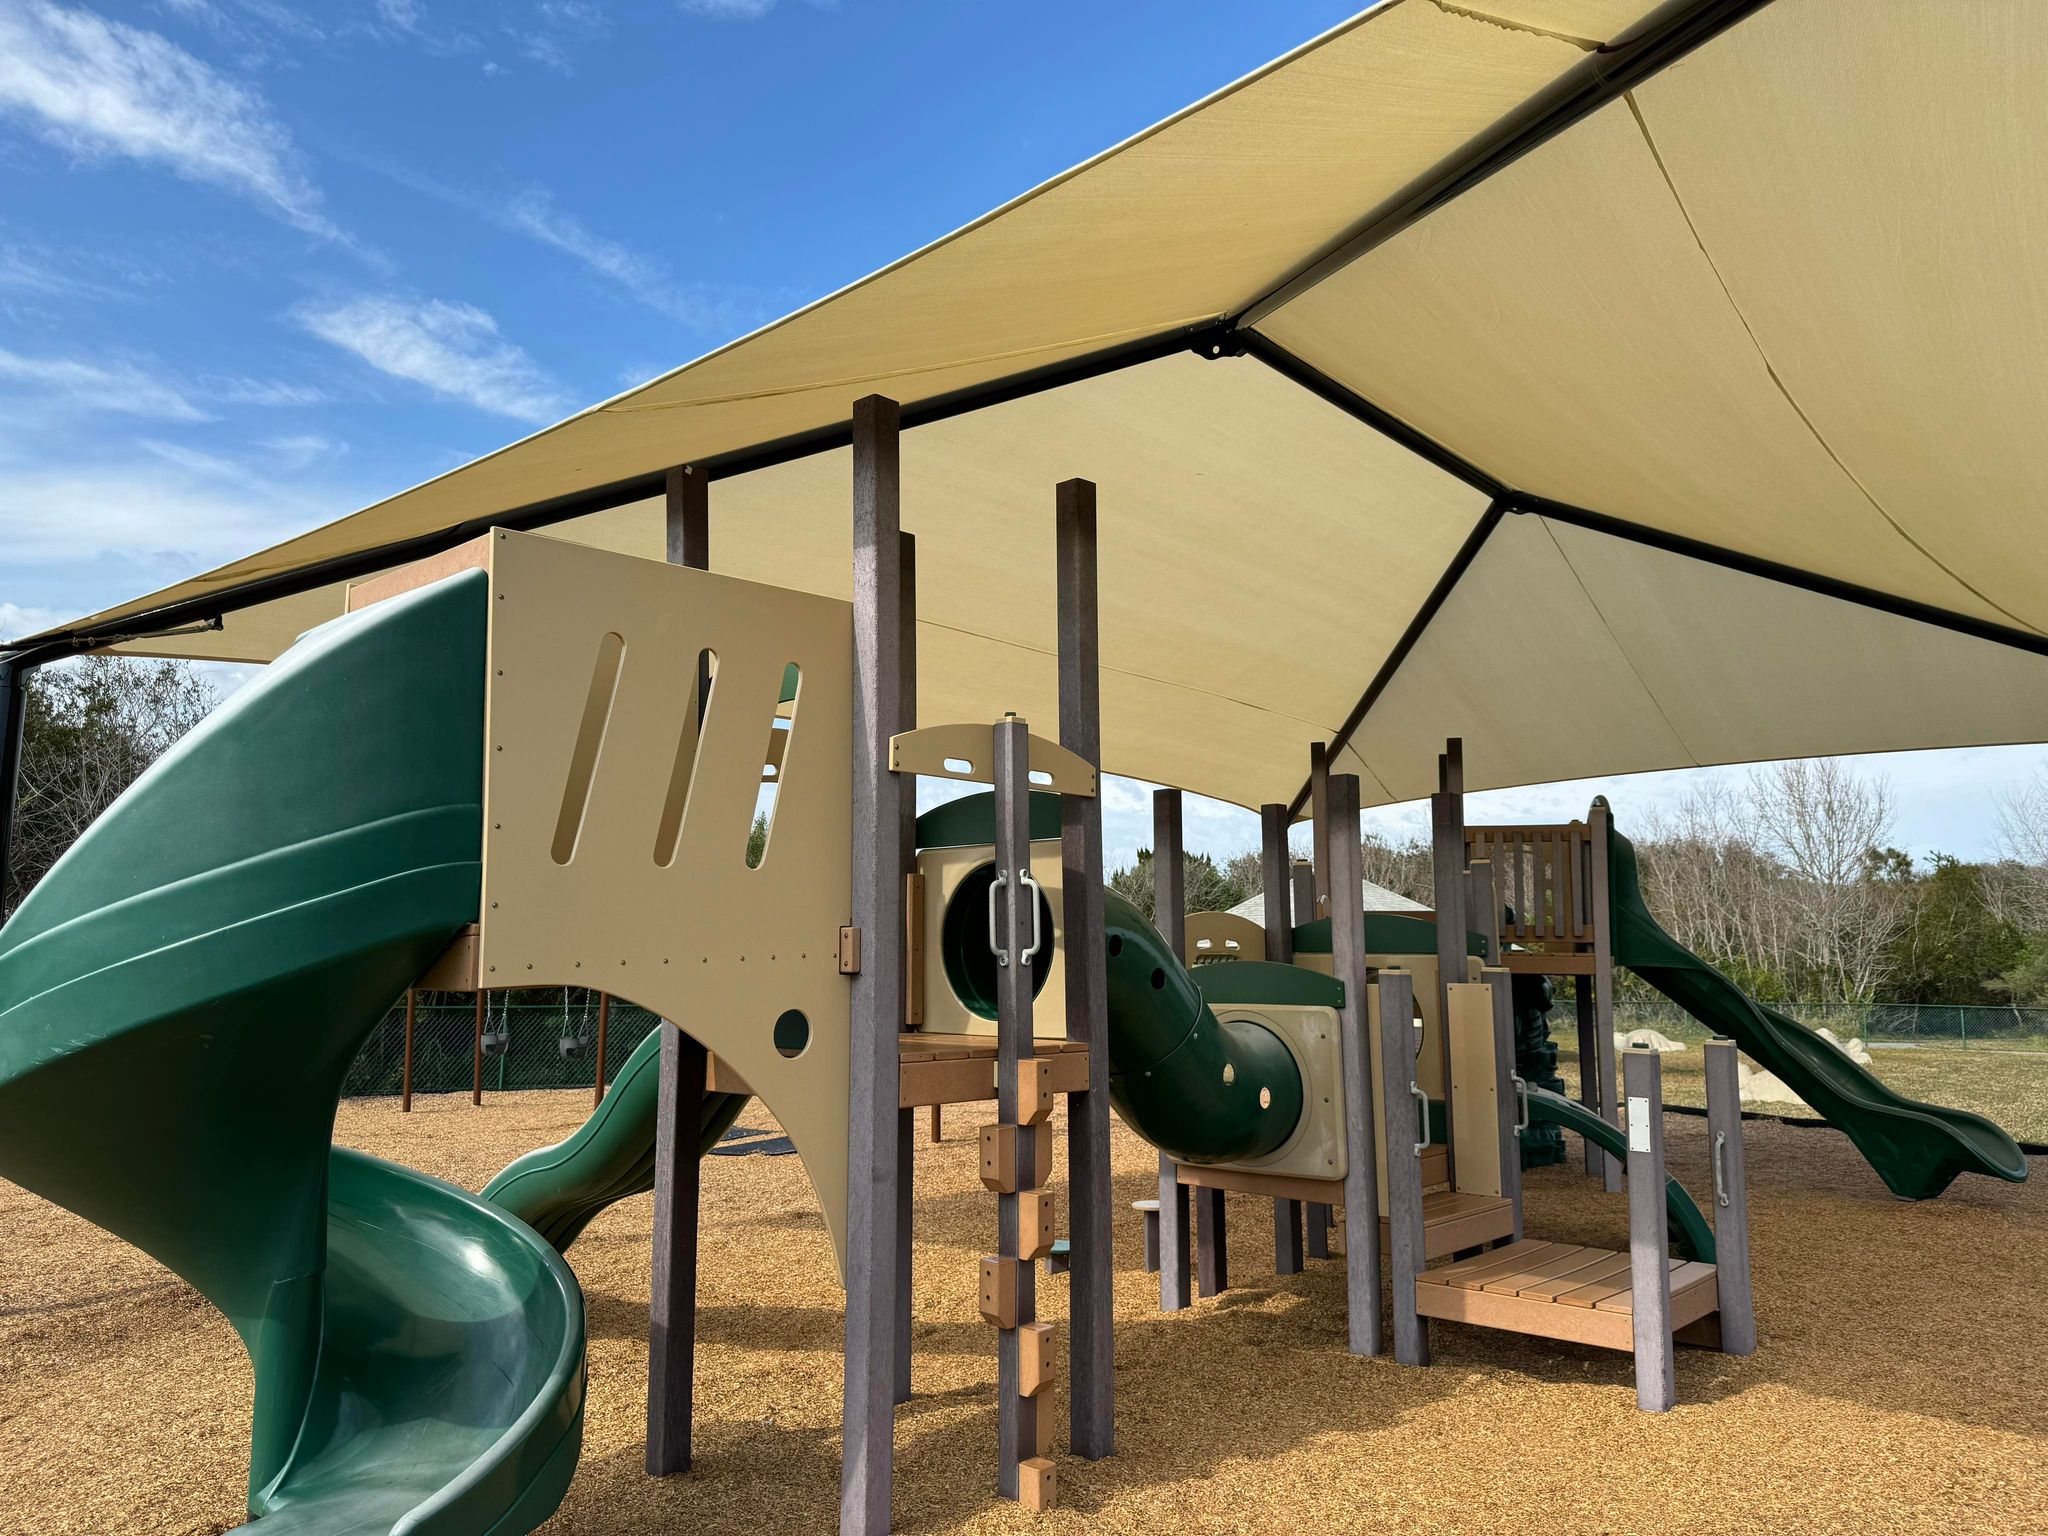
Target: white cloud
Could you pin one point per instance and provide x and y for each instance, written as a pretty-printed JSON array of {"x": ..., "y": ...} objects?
[
  {"x": 112, "y": 386},
  {"x": 18, "y": 622},
  {"x": 172, "y": 520},
  {"x": 274, "y": 392},
  {"x": 296, "y": 450},
  {"x": 729, "y": 10},
  {"x": 453, "y": 349},
  {"x": 700, "y": 305},
  {"x": 97, "y": 87}
]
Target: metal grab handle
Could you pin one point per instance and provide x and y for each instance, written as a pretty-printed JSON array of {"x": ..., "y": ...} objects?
[
  {"x": 1421, "y": 1117},
  {"x": 1721, "y": 1168},
  {"x": 995, "y": 943},
  {"x": 1521, "y": 1102},
  {"x": 1026, "y": 883}
]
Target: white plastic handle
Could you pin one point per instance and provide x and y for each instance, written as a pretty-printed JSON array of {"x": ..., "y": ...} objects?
[
  {"x": 995, "y": 943},
  {"x": 1421, "y": 1117},
  {"x": 1521, "y": 1102},
  {"x": 1026, "y": 883}
]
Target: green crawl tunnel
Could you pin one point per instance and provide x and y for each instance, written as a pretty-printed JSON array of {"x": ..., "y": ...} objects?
[{"x": 1201, "y": 1088}]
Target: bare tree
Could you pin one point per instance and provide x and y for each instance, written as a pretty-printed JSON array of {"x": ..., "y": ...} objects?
[
  {"x": 1829, "y": 826},
  {"x": 2016, "y": 886},
  {"x": 92, "y": 726},
  {"x": 1408, "y": 867}
]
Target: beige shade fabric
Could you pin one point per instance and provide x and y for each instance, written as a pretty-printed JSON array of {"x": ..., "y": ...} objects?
[{"x": 1781, "y": 300}]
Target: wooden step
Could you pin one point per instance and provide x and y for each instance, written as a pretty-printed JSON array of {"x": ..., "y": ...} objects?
[
  {"x": 1452, "y": 1221},
  {"x": 1557, "y": 1291}
]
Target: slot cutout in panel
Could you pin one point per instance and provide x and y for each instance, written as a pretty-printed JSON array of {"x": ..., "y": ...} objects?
[
  {"x": 675, "y": 805},
  {"x": 597, "y": 714},
  {"x": 774, "y": 759}
]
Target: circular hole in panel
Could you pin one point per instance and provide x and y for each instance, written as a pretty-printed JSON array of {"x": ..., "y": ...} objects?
[{"x": 792, "y": 1033}]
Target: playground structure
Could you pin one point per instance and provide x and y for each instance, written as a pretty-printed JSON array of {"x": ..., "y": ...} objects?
[{"x": 590, "y": 736}]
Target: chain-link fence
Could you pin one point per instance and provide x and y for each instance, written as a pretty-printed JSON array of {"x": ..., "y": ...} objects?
[
  {"x": 526, "y": 1043},
  {"x": 1993, "y": 1061}
]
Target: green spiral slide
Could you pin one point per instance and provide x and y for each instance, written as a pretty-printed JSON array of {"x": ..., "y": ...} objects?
[
  {"x": 1916, "y": 1148},
  {"x": 179, "y": 998}
]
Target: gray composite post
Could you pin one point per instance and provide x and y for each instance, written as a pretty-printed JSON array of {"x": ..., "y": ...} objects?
[
  {"x": 1319, "y": 823},
  {"x": 1091, "y": 1299},
  {"x": 875, "y": 995},
  {"x": 1507, "y": 1085},
  {"x": 1361, "y": 1164},
  {"x": 1301, "y": 880},
  {"x": 1598, "y": 825},
  {"x": 13, "y": 719},
  {"x": 1731, "y": 1200},
  {"x": 1589, "y": 1063},
  {"x": 1447, "y": 826},
  {"x": 906, "y": 1119},
  {"x": 1404, "y": 1122},
  {"x": 1649, "y": 1239},
  {"x": 1169, "y": 909},
  {"x": 1016, "y": 1414},
  {"x": 679, "y": 1109},
  {"x": 1277, "y": 886}
]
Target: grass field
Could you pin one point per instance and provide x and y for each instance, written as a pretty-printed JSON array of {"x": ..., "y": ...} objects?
[{"x": 2005, "y": 1079}]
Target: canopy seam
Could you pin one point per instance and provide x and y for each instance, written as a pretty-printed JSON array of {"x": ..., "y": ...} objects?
[
  {"x": 1619, "y": 649},
  {"x": 1771, "y": 372}
]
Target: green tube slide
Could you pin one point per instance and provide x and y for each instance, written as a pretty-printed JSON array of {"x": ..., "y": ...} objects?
[
  {"x": 1916, "y": 1148},
  {"x": 179, "y": 999},
  {"x": 559, "y": 1190}
]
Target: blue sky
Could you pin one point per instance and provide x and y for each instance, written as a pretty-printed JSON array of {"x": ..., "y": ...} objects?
[{"x": 261, "y": 265}]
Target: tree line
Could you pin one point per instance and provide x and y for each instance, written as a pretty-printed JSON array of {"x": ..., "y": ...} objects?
[{"x": 1787, "y": 880}]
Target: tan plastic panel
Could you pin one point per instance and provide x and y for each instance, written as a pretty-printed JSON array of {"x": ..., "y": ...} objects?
[
  {"x": 719, "y": 948},
  {"x": 943, "y": 870},
  {"x": 1475, "y": 1116},
  {"x": 1316, "y": 1150},
  {"x": 935, "y": 749},
  {"x": 1223, "y": 936}
]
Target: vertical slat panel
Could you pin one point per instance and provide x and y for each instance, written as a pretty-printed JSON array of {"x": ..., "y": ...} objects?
[
  {"x": 1169, "y": 908},
  {"x": 867, "y": 1469},
  {"x": 1649, "y": 1246},
  {"x": 1091, "y": 1337},
  {"x": 1361, "y": 1140}
]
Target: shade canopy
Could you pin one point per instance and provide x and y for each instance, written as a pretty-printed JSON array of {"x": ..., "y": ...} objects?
[{"x": 1617, "y": 387}]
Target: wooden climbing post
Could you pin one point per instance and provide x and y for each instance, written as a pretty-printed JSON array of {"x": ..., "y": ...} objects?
[
  {"x": 876, "y": 992},
  {"x": 1091, "y": 1395},
  {"x": 1361, "y": 1138},
  {"x": 1649, "y": 1240},
  {"x": 604, "y": 1019},
  {"x": 1169, "y": 907},
  {"x": 1017, "y": 1412},
  {"x": 1736, "y": 1305},
  {"x": 405, "y": 1072}
]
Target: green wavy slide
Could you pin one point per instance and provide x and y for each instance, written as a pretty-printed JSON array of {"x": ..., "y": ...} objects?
[
  {"x": 179, "y": 998},
  {"x": 559, "y": 1190},
  {"x": 1917, "y": 1149}
]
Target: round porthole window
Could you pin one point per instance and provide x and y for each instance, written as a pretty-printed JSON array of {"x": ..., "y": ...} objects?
[{"x": 792, "y": 1033}]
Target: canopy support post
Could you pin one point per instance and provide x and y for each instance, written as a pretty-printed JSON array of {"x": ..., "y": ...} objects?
[{"x": 1169, "y": 909}]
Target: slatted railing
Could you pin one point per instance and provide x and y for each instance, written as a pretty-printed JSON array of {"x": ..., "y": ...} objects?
[{"x": 1544, "y": 875}]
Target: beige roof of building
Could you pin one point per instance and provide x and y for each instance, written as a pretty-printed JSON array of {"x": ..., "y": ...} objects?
[
  {"x": 1377, "y": 899},
  {"x": 1703, "y": 427}
]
